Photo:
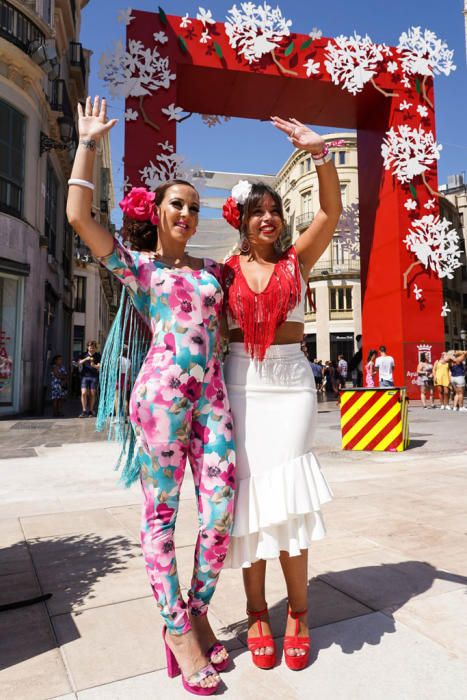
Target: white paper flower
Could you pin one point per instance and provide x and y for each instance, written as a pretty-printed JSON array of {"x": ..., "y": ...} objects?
[
  {"x": 255, "y": 30},
  {"x": 418, "y": 292},
  {"x": 424, "y": 54},
  {"x": 431, "y": 204},
  {"x": 409, "y": 152},
  {"x": 166, "y": 146},
  {"x": 410, "y": 204},
  {"x": 435, "y": 244},
  {"x": 125, "y": 16},
  {"x": 161, "y": 37},
  {"x": 406, "y": 82},
  {"x": 131, "y": 115},
  {"x": 205, "y": 16},
  {"x": 405, "y": 105},
  {"x": 127, "y": 184},
  {"x": 352, "y": 61},
  {"x": 185, "y": 21},
  {"x": 445, "y": 310},
  {"x": 392, "y": 67},
  {"x": 312, "y": 67},
  {"x": 422, "y": 110},
  {"x": 173, "y": 112},
  {"x": 138, "y": 71},
  {"x": 241, "y": 190},
  {"x": 165, "y": 166},
  {"x": 315, "y": 33},
  {"x": 205, "y": 37}
]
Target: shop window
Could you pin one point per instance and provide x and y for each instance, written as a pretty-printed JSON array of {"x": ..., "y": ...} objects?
[
  {"x": 9, "y": 310},
  {"x": 12, "y": 130}
]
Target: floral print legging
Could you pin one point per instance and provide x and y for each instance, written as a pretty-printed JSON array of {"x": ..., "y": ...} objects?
[{"x": 179, "y": 410}]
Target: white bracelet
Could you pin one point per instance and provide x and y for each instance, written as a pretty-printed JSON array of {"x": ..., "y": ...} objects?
[{"x": 84, "y": 183}]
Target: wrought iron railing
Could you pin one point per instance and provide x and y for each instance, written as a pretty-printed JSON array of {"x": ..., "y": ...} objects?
[
  {"x": 58, "y": 97},
  {"x": 17, "y": 27},
  {"x": 77, "y": 58},
  {"x": 304, "y": 220},
  {"x": 333, "y": 267}
]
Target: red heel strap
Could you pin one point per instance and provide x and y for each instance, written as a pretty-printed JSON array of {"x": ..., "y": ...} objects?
[{"x": 257, "y": 614}]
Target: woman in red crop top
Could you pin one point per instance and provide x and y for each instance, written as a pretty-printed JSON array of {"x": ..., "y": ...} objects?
[{"x": 272, "y": 393}]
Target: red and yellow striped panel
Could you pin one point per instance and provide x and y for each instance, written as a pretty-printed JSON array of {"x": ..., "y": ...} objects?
[{"x": 374, "y": 420}]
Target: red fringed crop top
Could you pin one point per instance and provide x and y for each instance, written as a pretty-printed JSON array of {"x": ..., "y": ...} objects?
[{"x": 259, "y": 314}]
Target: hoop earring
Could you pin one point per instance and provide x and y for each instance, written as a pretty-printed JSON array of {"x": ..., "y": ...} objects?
[{"x": 245, "y": 245}]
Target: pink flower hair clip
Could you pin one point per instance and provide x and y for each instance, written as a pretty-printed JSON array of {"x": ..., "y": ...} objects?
[{"x": 139, "y": 205}]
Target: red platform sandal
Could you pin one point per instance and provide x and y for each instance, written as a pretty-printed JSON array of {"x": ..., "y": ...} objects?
[
  {"x": 263, "y": 661},
  {"x": 297, "y": 663}
]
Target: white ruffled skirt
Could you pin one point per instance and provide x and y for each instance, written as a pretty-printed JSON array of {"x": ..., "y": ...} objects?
[{"x": 280, "y": 486}]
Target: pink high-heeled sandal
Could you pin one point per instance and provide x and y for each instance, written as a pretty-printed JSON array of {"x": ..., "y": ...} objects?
[
  {"x": 216, "y": 648},
  {"x": 193, "y": 684}
]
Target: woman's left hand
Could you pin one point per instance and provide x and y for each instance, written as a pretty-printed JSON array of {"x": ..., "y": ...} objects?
[{"x": 300, "y": 135}]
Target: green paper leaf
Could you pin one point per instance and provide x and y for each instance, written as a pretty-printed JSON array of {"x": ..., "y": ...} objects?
[
  {"x": 289, "y": 49},
  {"x": 163, "y": 17},
  {"x": 413, "y": 191},
  {"x": 218, "y": 49},
  {"x": 306, "y": 44},
  {"x": 418, "y": 86},
  {"x": 183, "y": 45}
]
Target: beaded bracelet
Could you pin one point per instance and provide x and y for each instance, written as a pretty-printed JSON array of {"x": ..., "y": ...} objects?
[
  {"x": 324, "y": 157},
  {"x": 83, "y": 183}
]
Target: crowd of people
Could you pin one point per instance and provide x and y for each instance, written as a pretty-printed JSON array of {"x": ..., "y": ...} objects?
[{"x": 447, "y": 377}]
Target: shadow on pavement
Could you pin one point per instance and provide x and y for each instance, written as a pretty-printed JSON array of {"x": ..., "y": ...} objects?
[
  {"x": 66, "y": 567},
  {"x": 353, "y": 593}
]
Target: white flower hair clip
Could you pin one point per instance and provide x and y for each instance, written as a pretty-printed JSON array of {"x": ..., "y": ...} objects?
[{"x": 241, "y": 191}]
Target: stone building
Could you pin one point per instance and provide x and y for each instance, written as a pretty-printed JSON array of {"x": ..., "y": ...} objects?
[
  {"x": 43, "y": 74},
  {"x": 333, "y": 306}
]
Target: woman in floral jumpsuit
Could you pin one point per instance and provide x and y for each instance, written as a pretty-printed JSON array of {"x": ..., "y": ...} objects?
[{"x": 179, "y": 407}]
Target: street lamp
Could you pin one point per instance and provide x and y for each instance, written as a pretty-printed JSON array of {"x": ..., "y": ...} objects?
[
  {"x": 463, "y": 335},
  {"x": 67, "y": 128}
]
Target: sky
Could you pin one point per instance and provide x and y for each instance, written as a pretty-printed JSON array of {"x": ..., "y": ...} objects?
[{"x": 256, "y": 147}]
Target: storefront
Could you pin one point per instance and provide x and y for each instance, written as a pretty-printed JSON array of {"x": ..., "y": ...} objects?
[
  {"x": 342, "y": 344},
  {"x": 12, "y": 276}
]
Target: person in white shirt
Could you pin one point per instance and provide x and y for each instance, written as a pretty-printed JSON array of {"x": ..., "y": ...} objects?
[{"x": 385, "y": 366}]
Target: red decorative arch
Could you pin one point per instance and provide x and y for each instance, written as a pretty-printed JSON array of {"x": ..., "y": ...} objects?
[{"x": 211, "y": 78}]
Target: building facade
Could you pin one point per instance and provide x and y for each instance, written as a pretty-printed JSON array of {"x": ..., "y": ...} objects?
[
  {"x": 333, "y": 304},
  {"x": 43, "y": 72}
]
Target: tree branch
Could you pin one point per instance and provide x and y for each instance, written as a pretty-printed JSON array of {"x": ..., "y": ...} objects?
[
  {"x": 427, "y": 99},
  {"x": 283, "y": 70},
  {"x": 433, "y": 192},
  {"x": 409, "y": 270},
  {"x": 383, "y": 92},
  {"x": 145, "y": 116}
]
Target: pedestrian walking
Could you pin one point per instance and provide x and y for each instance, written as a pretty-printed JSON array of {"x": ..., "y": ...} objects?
[
  {"x": 355, "y": 364},
  {"x": 317, "y": 370},
  {"x": 425, "y": 380},
  {"x": 442, "y": 379},
  {"x": 178, "y": 405},
  {"x": 342, "y": 367},
  {"x": 385, "y": 366},
  {"x": 58, "y": 385},
  {"x": 271, "y": 389},
  {"x": 370, "y": 369},
  {"x": 458, "y": 379},
  {"x": 89, "y": 364}
]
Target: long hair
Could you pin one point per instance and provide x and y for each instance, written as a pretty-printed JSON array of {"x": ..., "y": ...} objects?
[
  {"x": 254, "y": 199},
  {"x": 142, "y": 235}
]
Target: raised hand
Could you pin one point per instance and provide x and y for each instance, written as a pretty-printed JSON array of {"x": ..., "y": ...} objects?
[
  {"x": 92, "y": 123},
  {"x": 300, "y": 135}
]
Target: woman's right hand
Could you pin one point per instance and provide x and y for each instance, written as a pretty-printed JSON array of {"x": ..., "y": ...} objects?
[{"x": 92, "y": 122}]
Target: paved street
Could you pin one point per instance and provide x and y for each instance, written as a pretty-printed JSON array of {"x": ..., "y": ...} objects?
[{"x": 387, "y": 586}]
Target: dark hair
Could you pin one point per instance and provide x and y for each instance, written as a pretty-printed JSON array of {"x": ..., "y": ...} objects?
[
  {"x": 370, "y": 354},
  {"x": 382, "y": 348},
  {"x": 91, "y": 342},
  {"x": 55, "y": 358},
  {"x": 142, "y": 235},
  {"x": 254, "y": 199}
]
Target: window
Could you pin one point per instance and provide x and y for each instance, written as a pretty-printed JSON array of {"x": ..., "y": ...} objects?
[
  {"x": 338, "y": 251},
  {"x": 341, "y": 157},
  {"x": 12, "y": 130},
  {"x": 51, "y": 199},
  {"x": 340, "y": 299},
  {"x": 310, "y": 300},
  {"x": 80, "y": 294},
  {"x": 302, "y": 167},
  {"x": 308, "y": 165},
  {"x": 78, "y": 341},
  {"x": 306, "y": 202},
  {"x": 344, "y": 195}
]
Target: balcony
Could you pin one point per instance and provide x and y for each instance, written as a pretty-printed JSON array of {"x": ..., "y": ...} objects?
[
  {"x": 77, "y": 60},
  {"x": 17, "y": 27},
  {"x": 11, "y": 197},
  {"x": 58, "y": 98},
  {"x": 340, "y": 314},
  {"x": 333, "y": 268},
  {"x": 304, "y": 220}
]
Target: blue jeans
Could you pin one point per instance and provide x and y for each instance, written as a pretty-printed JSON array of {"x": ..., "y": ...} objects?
[{"x": 386, "y": 382}]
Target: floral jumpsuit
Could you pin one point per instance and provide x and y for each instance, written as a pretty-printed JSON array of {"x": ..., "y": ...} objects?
[{"x": 178, "y": 409}]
